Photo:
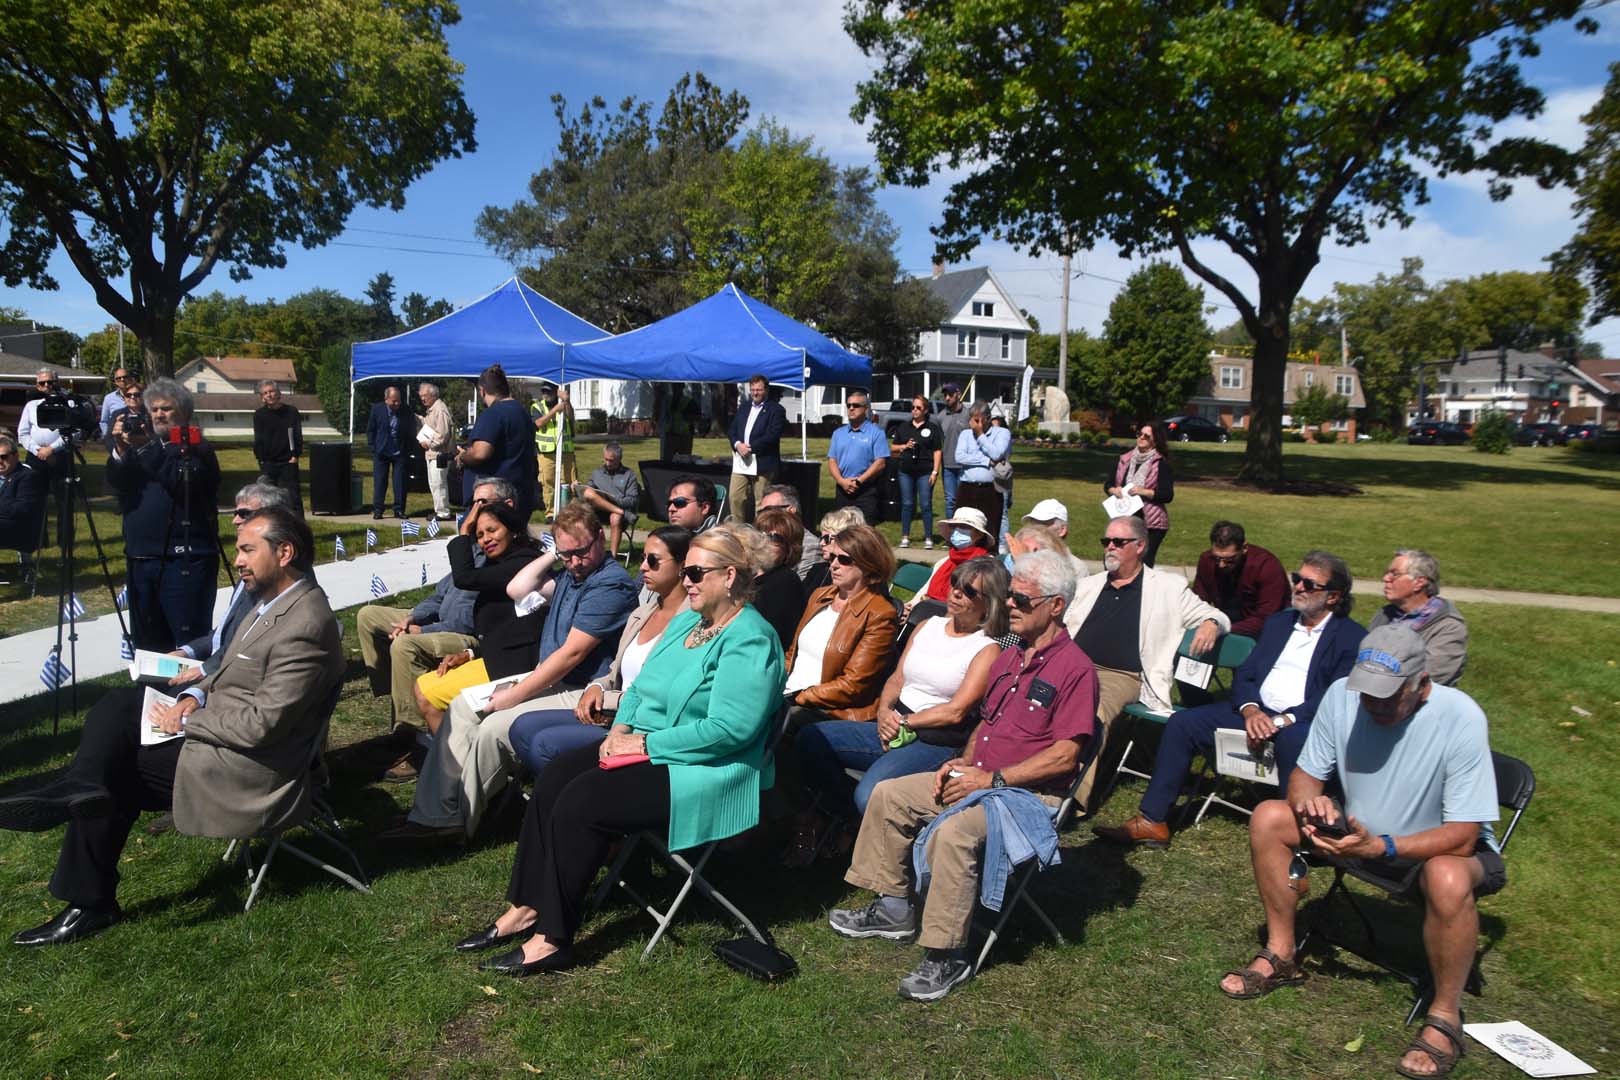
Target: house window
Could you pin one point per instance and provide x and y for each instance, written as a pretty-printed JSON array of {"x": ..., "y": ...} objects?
[
  {"x": 202, "y": 387},
  {"x": 1231, "y": 378},
  {"x": 967, "y": 343},
  {"x": 1006, "y": 346},
  {"x": 1344, "y": 385},
  {"x": 1310, "y": 378},
  {"x": 984, "y": 309},
  {"x": 219, "y": 418}
]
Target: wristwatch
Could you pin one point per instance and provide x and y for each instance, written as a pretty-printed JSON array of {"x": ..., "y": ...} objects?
[
  {"x": 1389, "y": 846},
  {"x": 997, "y": 780}
]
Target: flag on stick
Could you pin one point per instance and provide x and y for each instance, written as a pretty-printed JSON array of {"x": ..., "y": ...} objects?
[
  {"x": 377, "y": 587},
  {"x": 371, "y": 539},
  {"x": 424, "y": 573},
  {"x": 54, "y": 673},
  {"x": 433, "y": 527},
  {"x": 409, "y": 528},
  {"x": 126, "y": 649},
  {"x": 341, "y": 550},
  {"x": 72, "y": 607},
  {"x": 122, "y": 599}
]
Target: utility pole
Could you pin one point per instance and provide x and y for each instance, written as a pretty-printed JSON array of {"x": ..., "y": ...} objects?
[{"x": 1063, "y": 327}]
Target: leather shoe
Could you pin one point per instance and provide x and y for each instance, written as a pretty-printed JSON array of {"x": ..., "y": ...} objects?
[
  {"x": 72, "y": 924},
  {"x": 50, "y": 806},
  {"x": 1138, "y": 830},
  {"x": 512, "y": 963},
  {"x": 487, "y": 938},
  {"x": 415, "y": 830}
]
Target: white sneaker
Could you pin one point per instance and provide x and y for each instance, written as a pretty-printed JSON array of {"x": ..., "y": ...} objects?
[
  {"x": 905, "y": 541},
  {"x": 928, "y": 544}
]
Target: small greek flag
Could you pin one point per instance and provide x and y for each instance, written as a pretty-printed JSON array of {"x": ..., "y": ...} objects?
[
  {"x": 459, "y": 519},
  {"x": 377, "y": 587},
  {"x": 424, "y": 573},
  {"x": 371, "y": 539},
  {"x": 409, "y": 528},
  {"x": 54, "y": 673},
  {"x": 341, "y": 550},
  {"x": 126, "y": 649},
  {"x": 548, "y": 543},
  {"x": 433, "y": 527},
  {"x": 122, "y": 599},
  {"x": 72, "y": 607}
]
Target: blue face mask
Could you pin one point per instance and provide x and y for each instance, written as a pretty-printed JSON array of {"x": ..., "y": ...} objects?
[{"x": 961, "y": 538}]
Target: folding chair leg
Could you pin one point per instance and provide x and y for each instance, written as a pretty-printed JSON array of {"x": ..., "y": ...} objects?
[
  {"x": 1019, "y": 894},
  {"x": 264, "y": 869},
  {"x": 615, "y": 874},
  {"x": 692, "y": 877},
  {"x": 346, "y": 878}
]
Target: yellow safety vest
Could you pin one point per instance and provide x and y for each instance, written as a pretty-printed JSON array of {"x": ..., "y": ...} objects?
[{"x": 545, "y": 438}]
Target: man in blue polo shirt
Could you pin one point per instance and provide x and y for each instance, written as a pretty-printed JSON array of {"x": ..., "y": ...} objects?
[{"x": 856, "y": 458}]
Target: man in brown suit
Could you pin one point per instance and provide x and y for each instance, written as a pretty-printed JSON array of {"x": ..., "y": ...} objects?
[{"x": 250, "y": 737}]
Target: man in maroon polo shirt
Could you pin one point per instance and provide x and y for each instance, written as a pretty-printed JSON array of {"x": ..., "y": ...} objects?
[
  {"x": 1038, "y": 710},
  {"x": 1244, "y": 580}
]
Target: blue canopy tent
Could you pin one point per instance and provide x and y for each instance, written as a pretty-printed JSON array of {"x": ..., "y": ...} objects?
[
  {"x": 514, "y": 326},
  {"x": 726, "y": 338}
]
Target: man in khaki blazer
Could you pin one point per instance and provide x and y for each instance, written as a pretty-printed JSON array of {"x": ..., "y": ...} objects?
[{"x": 250, "y": 733}]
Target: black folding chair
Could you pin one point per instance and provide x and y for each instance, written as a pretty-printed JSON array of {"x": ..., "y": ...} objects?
[
  {"x": 691, "y": 871},
  {"x": 1515, "y": 785}
]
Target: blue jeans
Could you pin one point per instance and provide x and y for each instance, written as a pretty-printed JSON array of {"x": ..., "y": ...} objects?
[
  {"x": 538, "y": 737},
  {"x": 916, "y": 491},
  {"x": 826, "y": 749},
  {"x": 953, "y": 476},
  {"x": 1192, "y": 731}
]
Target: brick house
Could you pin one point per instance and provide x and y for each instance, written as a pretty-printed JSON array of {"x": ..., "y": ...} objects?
[{"x": 1224, "y": 394}]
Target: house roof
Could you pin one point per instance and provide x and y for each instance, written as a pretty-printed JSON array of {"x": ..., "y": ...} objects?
[
  {"x": 14, "y": 368},
  {"x": 1485, "y": 365},
  {"x": 1603, "y": 372},
  {"x": 304, "y": 403},
  {"x": 956, "y": 288},
  {"x": 249, "y": 368}
]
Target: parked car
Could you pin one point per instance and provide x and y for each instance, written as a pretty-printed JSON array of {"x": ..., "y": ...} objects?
[
  {"x": 1584, "y": 432},
  {"x": 1540, "y": 435},
  {"x": 1194, "y": 429},
  {"x": 1437, "y": 432}
]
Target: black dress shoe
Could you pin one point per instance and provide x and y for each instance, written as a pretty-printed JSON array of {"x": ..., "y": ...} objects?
[
  {"x": 50, "y": 806},
  {"x": 487, "y": 938},
  {"x": 512, "y": 963},
  {"x": 71, "y": 925}
]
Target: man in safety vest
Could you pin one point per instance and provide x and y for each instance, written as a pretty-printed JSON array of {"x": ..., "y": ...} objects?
[{"x": 553, "y": 420}]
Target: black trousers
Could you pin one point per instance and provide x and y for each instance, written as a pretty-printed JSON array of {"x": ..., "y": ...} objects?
[
  {"x": 576, "y": 812},
  {"x": 284, "y": 474},
  {"x": 381, "y": 467},
  {"x": 865, "y": 499},
  {"x": 982, "y": 496},
  {"x": 171, "y": 601},
  {"x": 1155, "y": 538},
  {"x": 139, "y": 777}
]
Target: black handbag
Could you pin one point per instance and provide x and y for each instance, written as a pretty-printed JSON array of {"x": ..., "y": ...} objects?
[{"x": 763, "y": 961}]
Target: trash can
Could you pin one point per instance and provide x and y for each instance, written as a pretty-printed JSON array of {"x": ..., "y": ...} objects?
[{"x": 331, "y": 465}]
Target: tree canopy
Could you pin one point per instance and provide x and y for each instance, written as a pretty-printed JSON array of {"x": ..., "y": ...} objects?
[
  {"x": 1594, "y": 252},
  {"x": 156, "y": 139},
  {"x": 1157, "y": 345},
  {"x": 1265, "y": 128}
]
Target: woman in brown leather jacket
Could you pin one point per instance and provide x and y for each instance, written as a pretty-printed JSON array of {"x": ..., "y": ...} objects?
[{"x": 841, "y": 655}]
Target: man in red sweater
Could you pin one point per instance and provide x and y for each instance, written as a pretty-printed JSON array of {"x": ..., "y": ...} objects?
[{"x": 1244, "y": 580}]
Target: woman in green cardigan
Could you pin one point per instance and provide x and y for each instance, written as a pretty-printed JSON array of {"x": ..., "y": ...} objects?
[{"x": 699, "y": 716}]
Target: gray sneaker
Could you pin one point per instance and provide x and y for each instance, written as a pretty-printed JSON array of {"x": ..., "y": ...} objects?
[
  {"x": 871, "y": 921},
  {"x": 933, "y": 979}
]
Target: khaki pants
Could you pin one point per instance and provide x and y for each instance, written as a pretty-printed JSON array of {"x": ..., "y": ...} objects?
[
  {"x": 900, "y": 809},
  {"x": 439, "y": 485},
  {"x": 471, "y": 758},
  {"x": 743, "y": 495},
  {"x": 1115, "y": 690},
  {"x": 408, "y": 656},
  {"x": 548, "y": 477}
]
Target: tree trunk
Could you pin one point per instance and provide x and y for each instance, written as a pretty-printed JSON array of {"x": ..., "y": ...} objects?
[
  {"x": 157, "y": 343},
  {"x": 1262, "y": 460}
]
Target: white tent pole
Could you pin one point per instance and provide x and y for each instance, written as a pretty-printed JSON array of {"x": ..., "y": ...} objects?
[
  {"x": 562, "y": 424},
  {"x": 351, "y": 395},
  {"x": 804, "y": 405}
]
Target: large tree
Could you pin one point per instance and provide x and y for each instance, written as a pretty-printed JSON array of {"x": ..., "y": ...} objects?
[
  {"x": 1594, "y": 252},
  {"x": 1157, "y": 345},
  {"x": 1265, "y": 128},
  {"x": 155, "y": 139},
  {"x": 1519, "y": 309}
]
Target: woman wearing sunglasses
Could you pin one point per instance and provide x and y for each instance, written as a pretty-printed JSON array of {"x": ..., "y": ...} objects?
[
  {"x": 832, "y": 523},
  {"x": 688, "y": 753},
  {"x": 1145, "y": 470},
  {"x": 780, "y": 594},
  {"x": 539, "y": 736},
  {"x": 926, "y": 707}
]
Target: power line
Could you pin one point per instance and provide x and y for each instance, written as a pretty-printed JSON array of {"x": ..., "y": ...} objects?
[{"x": 417, "y": 236}]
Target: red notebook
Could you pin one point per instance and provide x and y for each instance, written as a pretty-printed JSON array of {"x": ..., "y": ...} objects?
[{"x": 619, "y": 761}]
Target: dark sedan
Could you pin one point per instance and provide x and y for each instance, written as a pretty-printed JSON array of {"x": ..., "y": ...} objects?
[
  {"x": 1583, "y": 432},
  {"x": 1194, "y": 429},
  {"x": 1437, "y": 432},
  {"x": 1540, "y": 435}
]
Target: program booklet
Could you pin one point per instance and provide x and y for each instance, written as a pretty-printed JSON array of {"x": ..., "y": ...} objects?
[
  {"x": 1121, "y": 505},
  {"x": 1531, "y": 1051},
  {"x": 1234, "y": 758},
  {"x": 156, "y": 669},
  {"x": 151, "y": 734}
]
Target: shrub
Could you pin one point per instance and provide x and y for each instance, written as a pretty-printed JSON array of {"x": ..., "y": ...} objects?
[
  {"x": 1238, "y": 434},
  {"x": 1384, "y": 435},
  {"x": 1090, "y": 420},
  {"x": 1072, "y": 437},
  {"x": 1293, "y": 436},
  {"x": 1493, "y": 432}
]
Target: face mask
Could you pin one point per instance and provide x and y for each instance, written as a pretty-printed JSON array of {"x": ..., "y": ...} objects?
[{"x": 961, "y": 538}]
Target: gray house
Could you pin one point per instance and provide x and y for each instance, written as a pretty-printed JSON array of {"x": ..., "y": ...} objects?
[{"x": 981, "y": 346}]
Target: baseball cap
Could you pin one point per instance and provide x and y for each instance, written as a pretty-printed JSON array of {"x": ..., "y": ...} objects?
[
  {"x": 1048, "y": 510},
  {"x": 950, "y": 388},
  {"x": 1386, "y": 659}
]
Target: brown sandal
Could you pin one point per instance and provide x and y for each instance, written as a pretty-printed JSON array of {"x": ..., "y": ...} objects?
[
  {"x": 1283, "y": 973},
  {"x": 1444, "y": 1060}
]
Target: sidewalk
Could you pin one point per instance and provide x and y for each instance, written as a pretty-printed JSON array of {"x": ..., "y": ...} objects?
[{"x": 347, "y": 584}]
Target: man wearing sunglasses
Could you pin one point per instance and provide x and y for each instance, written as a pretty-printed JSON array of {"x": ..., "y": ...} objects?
[
  {"x": 786, "y": 496},
  {"x": 1038, "y": 712},
  {"x": 856, "y": 458},
  {"x": 42, "y": 443},
  {"x": 1301, "y": 651},
  {"x": 691, "y": 503},
  {"x": 1130, "y": 619},
  {"x": 114, "y": 399},
  {"x": 22, "y": 500}
]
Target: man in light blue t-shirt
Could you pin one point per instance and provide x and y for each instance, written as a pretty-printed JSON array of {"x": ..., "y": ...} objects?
[
  {"x": 1413, "y": 760},
  {"x": 856, "y": 458}
]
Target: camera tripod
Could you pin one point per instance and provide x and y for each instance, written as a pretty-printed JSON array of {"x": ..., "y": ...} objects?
[{"x": 70, "y": 492}]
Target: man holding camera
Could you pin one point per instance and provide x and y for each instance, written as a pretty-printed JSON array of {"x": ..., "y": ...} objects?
[
  {"x": 42, "y": 443},
  {"x": 167, "y": 482}
]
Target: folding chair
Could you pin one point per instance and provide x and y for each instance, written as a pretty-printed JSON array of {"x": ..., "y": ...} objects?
[
  {"x": 721, "y": 494},
  {"x": 677, "y": 862},
  {"x": 1018, "y": 886},
  {"x": 911, "y": 576},
  {"x": 1230, "y": 651},
  {"x": 643, "y": 506},
  {"x": 1515, "y": 786},
  {"x": 321, "y": 822}
]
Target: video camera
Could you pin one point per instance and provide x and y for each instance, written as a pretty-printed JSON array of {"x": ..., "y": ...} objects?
[{"x": 70, "y": 414}]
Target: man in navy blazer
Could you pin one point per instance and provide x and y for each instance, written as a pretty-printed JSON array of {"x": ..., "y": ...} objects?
[
  {"x": 756, "y": 437},
  {"x": 1301, "y": 651},
  {"x": 391, "y": 432},
  {"x": 23, "y": 494}
]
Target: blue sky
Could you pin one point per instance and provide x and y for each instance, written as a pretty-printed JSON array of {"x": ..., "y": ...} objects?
[{"x": 794, "y": 63}]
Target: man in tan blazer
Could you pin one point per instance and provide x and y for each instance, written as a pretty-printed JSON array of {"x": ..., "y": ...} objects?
[{"x": 250, "y": 731}]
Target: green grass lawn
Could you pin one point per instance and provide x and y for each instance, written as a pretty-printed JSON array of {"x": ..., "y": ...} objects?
[{"x": 320, "y": 981}]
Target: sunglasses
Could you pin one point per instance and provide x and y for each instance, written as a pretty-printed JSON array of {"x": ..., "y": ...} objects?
[
  {"x": 827, "y": 538},
  {"x": 47, "y": 383},
  {"x": 579, "y": 552},
  {"x": 841, "y": 559},
  {"x": 695, "y": 574},
  {"x": 1025, "y": 602},
  {"x": 681, "y": 502},
  {"x": 852, "y": 406},
  {"x": 967, "y": 590},
  {"x": 1310, "y": 586},
  {"x": 241, "y": 511},
  {"x": 1116, "y": 541},
  {"x": 651, "y": 561}
]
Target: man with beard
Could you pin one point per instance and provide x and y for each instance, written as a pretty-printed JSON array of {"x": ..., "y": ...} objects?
[
  {"x": 1242, "y": 579},
  {"x": 1301, "y": 652}
]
